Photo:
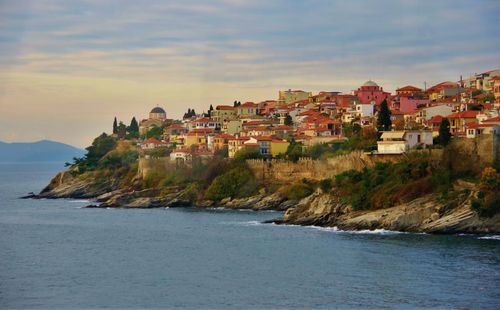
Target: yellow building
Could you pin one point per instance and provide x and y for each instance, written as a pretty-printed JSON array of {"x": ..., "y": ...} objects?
[
  {"x": 287, "y": 96},
  {"x": 278, "y": 147},
  {"x": 247, "y": 109},
  {"x": 223, "y": 113}
]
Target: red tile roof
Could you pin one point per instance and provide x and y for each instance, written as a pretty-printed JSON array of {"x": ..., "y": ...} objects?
[
  {"x": 152, "y": 141},
  {"x": 464, "y": 114},
  {"x": 492, "y": 120},
  {"x": 409, "y": 88}
]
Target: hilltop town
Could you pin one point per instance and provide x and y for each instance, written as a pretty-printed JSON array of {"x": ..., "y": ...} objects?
[
  {"x": 297, "y": 117},
  {"x": 417, "y": 160}
]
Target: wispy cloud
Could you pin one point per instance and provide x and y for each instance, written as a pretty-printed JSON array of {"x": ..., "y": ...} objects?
[{"x": 121, "y": 57}]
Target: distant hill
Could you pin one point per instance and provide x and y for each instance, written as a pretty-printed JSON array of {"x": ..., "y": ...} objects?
[{"x": 44, "y": 150}]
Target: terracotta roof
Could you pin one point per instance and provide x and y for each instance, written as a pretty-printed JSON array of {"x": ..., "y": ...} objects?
[
  {"x": 151, "y": 141},
  {"x": 464, "y": 114},
  {"x": 477, "y": 125},
  {"x": 248, "y": 105},
  {"x": 493, "y": 120},
  {"x": 224, "y": 107},
  {"x": 409, "y": 88},
  {"x": 436, "y": 119},
  {"x": 224, "y": 136}
]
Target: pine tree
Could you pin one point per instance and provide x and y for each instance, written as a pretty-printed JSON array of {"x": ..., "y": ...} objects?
[
  {"x": 444, "y": 132},
  {"x": 115, "y": 126},
  {"x": 384, "y": 117}
]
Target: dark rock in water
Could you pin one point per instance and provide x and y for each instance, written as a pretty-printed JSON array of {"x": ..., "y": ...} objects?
[{"x": 30, "y": 195}]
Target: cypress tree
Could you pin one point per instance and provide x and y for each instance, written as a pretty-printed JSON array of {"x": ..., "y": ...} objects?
[
  {"x": 235, "y": 103},
  {"x": 115, "y": 126},
  {"x": 444, "y": 132},
  {"x": 384, "y": 117},
  {"x": 134, "y": 127}
]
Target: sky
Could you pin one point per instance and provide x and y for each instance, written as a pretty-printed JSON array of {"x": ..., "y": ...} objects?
[{"x": 67, "y": 68}]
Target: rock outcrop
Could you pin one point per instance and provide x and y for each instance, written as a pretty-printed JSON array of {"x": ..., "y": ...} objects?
[{"x": 424, "y": 214}]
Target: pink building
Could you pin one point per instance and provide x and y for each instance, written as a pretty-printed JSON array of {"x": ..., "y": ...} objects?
[
  {"x": 408, "y": 105},
  {"x": 371, "y": 92}
]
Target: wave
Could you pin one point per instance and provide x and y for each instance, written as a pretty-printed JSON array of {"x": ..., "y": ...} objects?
[
  {"x": 334, "y": 229},
  {"x": 492, "y": 237}
]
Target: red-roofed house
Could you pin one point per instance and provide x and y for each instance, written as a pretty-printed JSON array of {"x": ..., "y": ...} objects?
[
  {"x": 152, "y": 143},
  {"x": 409, "y": 91},
  {"x": 458, "y": 120},
  {"x": 475, "y": 129},
  {"x": 247, "y": 109}
]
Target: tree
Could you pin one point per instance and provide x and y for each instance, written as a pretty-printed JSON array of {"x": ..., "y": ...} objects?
[
  {"x": 115, "y": 126},
  {"x": 121, "y": 130},
  {"x": 384, "y": 117},
  {"x": 288, "y": 120},
  {"x": 444, "y": 132},
  {"x": 133, "y": 129},
  {"x": 155, "y": 132},
  {"x": 235, "y": 103},
  {"x": 210, "y": 111}
]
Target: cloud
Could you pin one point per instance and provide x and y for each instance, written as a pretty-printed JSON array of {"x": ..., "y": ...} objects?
[{"x": 122, "y": 57}]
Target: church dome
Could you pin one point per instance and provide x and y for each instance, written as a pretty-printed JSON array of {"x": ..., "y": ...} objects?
[
  {"x": 370, "y": 83},
  {"x": 157, "y": 110}
]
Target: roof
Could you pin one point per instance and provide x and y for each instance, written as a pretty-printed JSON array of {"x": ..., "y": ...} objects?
[
  {"x": 224, "y": 136},
  {"x": 477, "y": 125},
  {"x": 393, "y": 135},
  {"x": 248, "y": 105},
  {"x": 370, "y": 83},
  {"x": 409, "y": 88},
  {"x": 464, "y": 114},
  {"x": 493, "y": 119},
  {"x": 151, "y": 141},
  {"x": 436, "y": 119},
  {"x": 157, "y": 110},
  {"x": 224, "y": 107}
]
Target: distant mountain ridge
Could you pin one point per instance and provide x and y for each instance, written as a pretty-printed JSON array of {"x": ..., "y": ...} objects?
[{"x": 44, "y": 150}]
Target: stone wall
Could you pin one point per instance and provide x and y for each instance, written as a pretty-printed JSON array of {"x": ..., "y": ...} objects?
[{"x": 285, "y": 171}]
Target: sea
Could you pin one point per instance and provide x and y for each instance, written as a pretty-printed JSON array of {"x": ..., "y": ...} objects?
[{"x": 58, "y": 254}]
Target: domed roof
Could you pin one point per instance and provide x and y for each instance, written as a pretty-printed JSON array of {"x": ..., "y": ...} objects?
[
  {"x": 157, "y": 110},
  {"x": 370, "y": 83}
]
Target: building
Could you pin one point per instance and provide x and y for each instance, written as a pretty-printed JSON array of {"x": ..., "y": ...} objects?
[
  {"x": 157, "y": 118},
  {"x": 288, "y": 96},
  {"x": 370, "y": 92},
  {"x": 151, "y": 143},
  {"x": 365, "y": 109},
  {"x": 247, "y": 109},
  {"x": 410, "y": 91},
  {"x": 398, "y": 142},
  {"x": 474, "y": 130},
  {"x": 223, "y": 113},
  {"x": 437, "y": 91},
  {"x": 458, "y": 121}
]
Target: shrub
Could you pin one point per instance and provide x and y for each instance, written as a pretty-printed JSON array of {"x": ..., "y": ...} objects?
[
  {"x": 325, "y": 185},
  {"x": 237, "y": 182},
  {"x": 298, "y": 191}
]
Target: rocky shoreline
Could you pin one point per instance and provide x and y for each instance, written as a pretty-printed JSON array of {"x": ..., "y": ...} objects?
[{"x": 425, "y": 214}]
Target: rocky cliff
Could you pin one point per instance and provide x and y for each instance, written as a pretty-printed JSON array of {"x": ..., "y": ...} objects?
[{"x": 425, "y": 214}]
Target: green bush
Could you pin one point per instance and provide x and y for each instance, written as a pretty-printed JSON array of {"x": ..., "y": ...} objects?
[
  {"x": 235, "y": 183},
  {"x": 298, "y": 191},
  {"x": 325, "y": 185}
]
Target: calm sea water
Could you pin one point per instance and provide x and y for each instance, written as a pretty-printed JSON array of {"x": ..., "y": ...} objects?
[{"x": 54, "y": 254}]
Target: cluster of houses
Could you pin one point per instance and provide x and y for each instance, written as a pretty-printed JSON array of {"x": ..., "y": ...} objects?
[{"x": 471, "y": 106}]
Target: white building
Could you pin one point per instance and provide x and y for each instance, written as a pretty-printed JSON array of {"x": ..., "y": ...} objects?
[
  {"x": 365, "y": 109},
  {"x": 398, "y": 142}
]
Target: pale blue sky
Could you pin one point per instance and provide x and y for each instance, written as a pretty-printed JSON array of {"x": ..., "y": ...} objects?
[{"x": 77, "y": 64}]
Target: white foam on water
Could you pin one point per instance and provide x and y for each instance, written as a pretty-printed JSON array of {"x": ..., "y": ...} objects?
[
  {"x": 492, "y": 237},
  {"x": 79, "y": 201}
]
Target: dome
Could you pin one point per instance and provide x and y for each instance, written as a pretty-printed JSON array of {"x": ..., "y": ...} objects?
[
  {"x": 370, "y": 83},
  {"x": 157, "y": 110}
]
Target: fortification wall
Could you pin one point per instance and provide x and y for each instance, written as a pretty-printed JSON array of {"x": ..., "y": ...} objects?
[
  {"x": 147, "y": 165},
  {"x": 286, "y": 171}
]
